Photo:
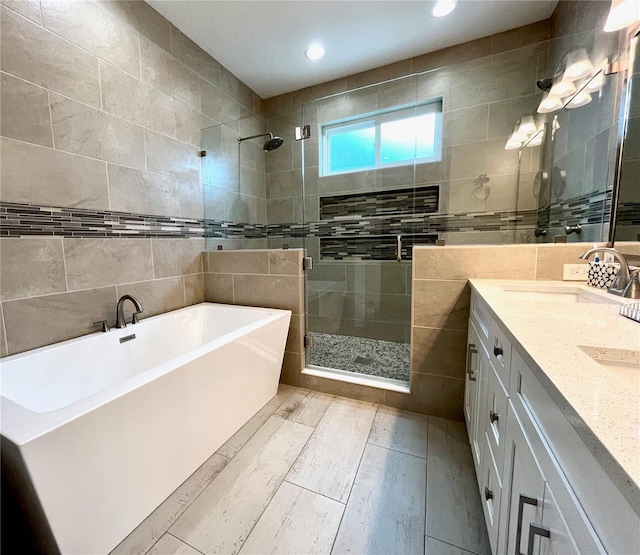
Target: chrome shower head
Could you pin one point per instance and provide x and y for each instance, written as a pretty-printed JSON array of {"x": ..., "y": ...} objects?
[{"x": 271, "y": 144}]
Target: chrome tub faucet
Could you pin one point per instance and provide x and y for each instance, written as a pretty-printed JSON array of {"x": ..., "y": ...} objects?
[{"x": 120, "y": 321}]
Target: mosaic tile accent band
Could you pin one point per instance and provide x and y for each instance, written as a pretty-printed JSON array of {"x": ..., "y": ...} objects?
[
  {"x": 587, "y": 209},
  {"x": 628, "y": 213},
  {"x": 23, "y": 220},
  {"x": 419, "y": 200},
  {"x": 382, "y": 247}
]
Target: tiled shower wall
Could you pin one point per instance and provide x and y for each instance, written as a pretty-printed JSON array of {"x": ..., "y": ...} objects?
[
  {"x": 102, "y": 107},
  {"x": 271, "y": 278},
  {"x": 485, "y": 86},
  {"x": 440, "y": 313}
]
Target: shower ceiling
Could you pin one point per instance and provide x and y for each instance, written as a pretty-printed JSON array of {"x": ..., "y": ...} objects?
[{"x": 263, "y": 42}]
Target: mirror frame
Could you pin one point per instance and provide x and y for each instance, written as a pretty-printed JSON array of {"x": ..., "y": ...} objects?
[{"x": 632, "y": 40}]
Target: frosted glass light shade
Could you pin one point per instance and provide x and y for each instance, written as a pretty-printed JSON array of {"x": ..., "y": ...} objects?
[
  {"x": 562, "y": 88},
  {"x": 512, "y": 143},
  {"x": 582, "y": 98},
  {"x": 622, "y": 14},
  {"x": 596, "y": 83},
  {"x": 579, "y": 65},
  {"x": 537, "y": 140},
  {"x": 527, "y": 126},
  {"x": 549, "y": 104}
]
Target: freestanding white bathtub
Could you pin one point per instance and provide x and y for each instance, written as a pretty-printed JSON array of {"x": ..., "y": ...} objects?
[{"x": 108, "y": 429}]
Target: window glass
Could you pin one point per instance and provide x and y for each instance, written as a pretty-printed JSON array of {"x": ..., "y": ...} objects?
[
  {"x": 352, "y": 147},
  {"x": 391, "y": 138}
]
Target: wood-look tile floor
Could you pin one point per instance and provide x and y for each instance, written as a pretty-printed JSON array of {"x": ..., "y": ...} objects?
[{"x": 314, "y": 473}]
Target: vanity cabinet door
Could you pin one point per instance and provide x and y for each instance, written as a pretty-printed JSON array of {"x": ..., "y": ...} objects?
[
  {"x": 475, "y": 392},
  {"x": 523, "y": 491}
]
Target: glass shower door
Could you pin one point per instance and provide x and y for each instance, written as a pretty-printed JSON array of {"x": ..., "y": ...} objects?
[{"x": 360, "y": 225}]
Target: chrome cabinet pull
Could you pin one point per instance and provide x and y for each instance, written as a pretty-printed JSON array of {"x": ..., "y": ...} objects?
[
  {"x": 535, "y": 530},
  {"x": 471, "y": 350},
  {"x": 521, "y": 502},
  {"x": 399, "y": 248},
  {"x": 493, "y": 416}
]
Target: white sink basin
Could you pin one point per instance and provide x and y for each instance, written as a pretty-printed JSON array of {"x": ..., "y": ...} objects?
[
  {"x": 557, "y": 294},
  {"x": 623, "y": 364}
]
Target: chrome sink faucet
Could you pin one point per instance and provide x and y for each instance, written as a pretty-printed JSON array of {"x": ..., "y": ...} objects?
[
  {"x": 625, "y": 284},
  {"x": 120, "y": 321}
]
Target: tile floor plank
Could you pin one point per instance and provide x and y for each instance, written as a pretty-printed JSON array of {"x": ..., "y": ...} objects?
[
  {"x": 224, "y": 514},
  {"x": 170, "y": 545},
  {"x": 305, "y": 407},
  {"x": 385, "y": 511},
  {"x": 330, "y": 460},
  {"x": 237, "y": 441},
  {"x": 454, "y": 509},
  {"x": 400, "y": 430},
  {"x": 158, "y": 522},
  {"x": 436, "y": 547},
  {"x": 296, "y": 521}
]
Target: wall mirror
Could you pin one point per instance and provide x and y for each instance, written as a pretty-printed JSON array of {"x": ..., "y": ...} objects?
[
  {"x": 626, "y": 200},
  {"x": 576, "y": 127}
]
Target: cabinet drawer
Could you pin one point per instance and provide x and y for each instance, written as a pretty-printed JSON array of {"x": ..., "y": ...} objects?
[
  {"x": 491, "y": 494},
  {"x": 495, "y": 417}
]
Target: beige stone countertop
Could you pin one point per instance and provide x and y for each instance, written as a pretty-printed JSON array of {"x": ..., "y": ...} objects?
[{"x": 603, "y": 407}]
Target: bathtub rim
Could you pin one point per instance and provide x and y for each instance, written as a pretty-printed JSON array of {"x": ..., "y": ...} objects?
[{"x": 21, "y": 425}]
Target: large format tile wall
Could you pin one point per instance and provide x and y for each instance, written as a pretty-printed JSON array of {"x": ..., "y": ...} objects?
[
  {"x": 439, "y": 306},
  {"x": 102, "y": 107},
  {"x": 485, "y": 86},
  {"x": 579, "y": 157},
  {"x": 271, "y": 278}
]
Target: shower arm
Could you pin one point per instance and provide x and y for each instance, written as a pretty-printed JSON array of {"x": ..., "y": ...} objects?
[{"x": 240, "y": 139}]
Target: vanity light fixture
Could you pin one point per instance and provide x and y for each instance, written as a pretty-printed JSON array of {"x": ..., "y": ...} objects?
[
  {"x": 314, "y": 52},
  {"x": 527, "y": 125},
  {"x": 443, "y": 7},
  {"x": 562, "y": 88},
  {"x": 622, "y": 14},
  {"x": 596, "y": 83},
  {"x": 550, "y": 103},
  {"x": 582, "y": 98},
  {"x": 579, "y": 65},
  {"x": 512, "y": 143}
]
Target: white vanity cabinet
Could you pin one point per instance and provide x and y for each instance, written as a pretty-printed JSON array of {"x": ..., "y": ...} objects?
[{"x": 530, "y": 468}]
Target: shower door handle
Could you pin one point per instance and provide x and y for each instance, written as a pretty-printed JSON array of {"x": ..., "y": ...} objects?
[{"x": 399, "y": 248}]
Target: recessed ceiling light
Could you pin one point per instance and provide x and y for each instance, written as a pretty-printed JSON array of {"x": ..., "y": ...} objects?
[
  {"x": 443, "y": 7},
  {"x": 314, "y": 52}
]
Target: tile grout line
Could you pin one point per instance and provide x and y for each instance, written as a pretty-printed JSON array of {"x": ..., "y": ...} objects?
[
  {"x": 288, "y": 470},
  {"x": 355, "y": 476},
  {"x": 396, "y": 451},
  {"x": 314, "y": 492},
  {"x": 426, "y": 479},
  {"x": 184, "y": 542},
  {"x": 451, "y": 544}
]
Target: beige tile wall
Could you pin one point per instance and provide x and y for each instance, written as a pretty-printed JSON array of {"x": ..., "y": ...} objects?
[
  {"x": 486, "y": 85},
  {"x": 271, "y": 278},
  {"x": 440, "y": 317},
  {"x": 102, "y": 104}
]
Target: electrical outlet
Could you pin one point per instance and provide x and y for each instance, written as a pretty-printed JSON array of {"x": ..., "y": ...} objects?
[{"x": 575, "y": 272}]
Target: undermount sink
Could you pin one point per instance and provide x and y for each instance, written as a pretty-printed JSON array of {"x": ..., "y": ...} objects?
[
  {"x": 624, "y": 364},
  {"x": 556, "y": 295}
]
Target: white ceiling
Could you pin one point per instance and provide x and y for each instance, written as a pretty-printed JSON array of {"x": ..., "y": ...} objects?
[{"x": 263, "y": 42}]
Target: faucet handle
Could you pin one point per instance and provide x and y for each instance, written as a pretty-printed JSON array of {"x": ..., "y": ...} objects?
[
  {"x": 134, "y": 317},
  {"x": 104, "y": 324}
]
